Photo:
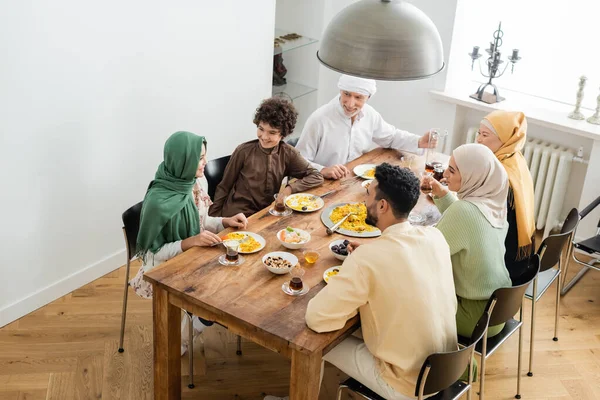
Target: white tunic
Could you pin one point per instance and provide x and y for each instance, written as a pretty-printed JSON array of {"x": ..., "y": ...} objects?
[{"x": 329, "y": 136}]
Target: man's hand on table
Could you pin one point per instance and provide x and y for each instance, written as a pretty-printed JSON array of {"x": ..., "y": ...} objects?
[
  {"x": 337, "y": 171},
  {"x": 238, "y": 221}
]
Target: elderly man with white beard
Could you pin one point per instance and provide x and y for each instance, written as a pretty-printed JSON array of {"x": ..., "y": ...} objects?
[{"x": 346, "y": 127}]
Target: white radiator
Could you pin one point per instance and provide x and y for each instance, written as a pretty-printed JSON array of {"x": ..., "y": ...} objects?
[{"x": 550, "y": 168}]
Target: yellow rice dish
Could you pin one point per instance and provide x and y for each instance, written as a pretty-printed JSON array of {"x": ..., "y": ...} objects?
[
  {"x": 297, "y": 202},
  {"x": 370, "y": 173},
  {"x": 331, "y": 273},
  {"x": 249, "y": 245},
  {"x": 234, "y": 236},
  {"x": 355, "y": 223}
]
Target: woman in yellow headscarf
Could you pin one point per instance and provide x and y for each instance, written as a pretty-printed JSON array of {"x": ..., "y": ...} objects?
[{"x": 505, "y": 132}]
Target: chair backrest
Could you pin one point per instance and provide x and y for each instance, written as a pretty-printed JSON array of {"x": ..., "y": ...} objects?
[
  {"x": 213, "y": 172},
  {"x": 442, "y": 370},
  {"x": 507, "y": 301},
  {"x": 551, "y": 248},
  {"x": 590, "y": 208},
  {"x": 293, "y": 142},
  {"x": 131, "y": 227}
]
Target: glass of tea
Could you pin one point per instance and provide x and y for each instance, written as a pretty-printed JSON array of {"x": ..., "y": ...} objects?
[
  {"x": 426, "y": 186},
  {"x": 311, "y": 256},
  {"x": 296, "y": 274},
  {"x": 231, "y": 256},
  {"x": 280, "y": 209}
]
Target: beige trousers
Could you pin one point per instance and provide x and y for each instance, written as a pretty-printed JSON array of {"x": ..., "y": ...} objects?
[{"x": 353, "y": 358}]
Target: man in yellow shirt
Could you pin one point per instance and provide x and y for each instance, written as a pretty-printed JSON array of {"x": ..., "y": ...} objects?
[{"x": 402, "y": 286}]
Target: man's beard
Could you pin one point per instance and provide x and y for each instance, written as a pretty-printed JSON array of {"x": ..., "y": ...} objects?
[{"x": 371, "y": 217}]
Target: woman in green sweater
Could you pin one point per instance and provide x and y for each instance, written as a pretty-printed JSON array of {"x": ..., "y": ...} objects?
[{"x": 474, "y": 225}]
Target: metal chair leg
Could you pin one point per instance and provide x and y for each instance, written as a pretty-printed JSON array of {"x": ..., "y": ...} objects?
[
  {"x": 470, "y": 392},
  {"x": 555, "y": 338},
  {"x": 191, "y": 348},
  {"x": 482, "y": 372},
  {"x": 567, "y": 261},
  {"x": 532, "y": 337},
  {"x": 124, "y": 312},
  {"x": 575, "y": 279},
  {"x": 239, "y": 346},
  {"x": 518, "y": 395},
  {"x": 340, "y": 391}
]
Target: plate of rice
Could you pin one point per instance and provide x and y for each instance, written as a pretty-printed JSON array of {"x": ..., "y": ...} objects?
[
  {"x": 253, "y": 244},
  {"x": 304, "y": 202},
  {"x": 354, "y": 225},
  {"x": 331, "y": 272},
  {"x": 365, "y": 171}
]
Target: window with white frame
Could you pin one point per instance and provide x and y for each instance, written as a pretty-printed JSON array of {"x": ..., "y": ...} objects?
[{"x": 558, "y": 43}]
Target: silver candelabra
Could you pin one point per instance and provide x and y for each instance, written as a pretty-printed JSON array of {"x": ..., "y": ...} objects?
[{"x": 493, "y": 65}]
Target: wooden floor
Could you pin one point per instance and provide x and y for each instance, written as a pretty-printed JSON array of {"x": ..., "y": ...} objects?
[{"x": 68, "y": 350}]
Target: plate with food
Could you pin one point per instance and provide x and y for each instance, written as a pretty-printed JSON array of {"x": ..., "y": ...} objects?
[
  {"x": 293, "y": 238},
  {"x": 365, "y": 171},
  {"x": 330, "y": 272},
  {"x": 304, "y": 202},
  {"x": 366, "y": 184},
  {"x": 250, "y": 242},
  {"x": 354, "y": 225}
]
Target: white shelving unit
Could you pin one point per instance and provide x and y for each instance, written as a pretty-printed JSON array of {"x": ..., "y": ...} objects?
[
  {"x": 292, "y": 43},
  {"x": 292, "y": 89}
]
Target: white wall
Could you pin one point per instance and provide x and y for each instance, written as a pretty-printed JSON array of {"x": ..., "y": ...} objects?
[
  {"x": 90, "y": 91},
  {"x": 406, "y": 105}
]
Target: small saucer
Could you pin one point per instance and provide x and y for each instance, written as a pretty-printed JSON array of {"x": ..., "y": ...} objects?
[
  {"x": 224, "y": 261},
  {"x": 286, "y": 289},
  {"x": 285, "y": 213}
]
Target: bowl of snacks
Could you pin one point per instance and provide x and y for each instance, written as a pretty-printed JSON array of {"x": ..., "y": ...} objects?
[
  {"x": 339, "y": 248},
  {"x": 279, "y": 262},
  {"x": 293, "y": 238},
  {"x": 330, "y": 272}
]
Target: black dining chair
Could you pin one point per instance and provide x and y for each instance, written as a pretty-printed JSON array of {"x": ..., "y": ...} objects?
[
  {"x": 550, "y": 253},
  {"x": 591, "y": 246},
  {"x": 293, "y": 141},
  {"x": 440, "y": 373},
  {"x": 131, "y": 227},
  {"x": 502, "y": 307},
  {"x": 213, "y": 172}
]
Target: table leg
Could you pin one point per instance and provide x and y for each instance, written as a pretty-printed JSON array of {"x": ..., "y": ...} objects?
[
  {"x": 167, "y": 347},
  {"x": 306, "y": 376}
]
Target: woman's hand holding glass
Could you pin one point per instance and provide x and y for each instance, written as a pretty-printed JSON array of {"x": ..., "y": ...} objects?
[
  {"x": 238, "y": 221},
  {"x": 437, "y": 189}
]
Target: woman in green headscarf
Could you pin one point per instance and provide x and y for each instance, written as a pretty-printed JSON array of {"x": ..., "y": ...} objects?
[{"x": 175, "y": 211}]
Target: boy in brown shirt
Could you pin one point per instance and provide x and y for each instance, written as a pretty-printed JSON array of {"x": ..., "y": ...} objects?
[{"x": 257, "y": 168}]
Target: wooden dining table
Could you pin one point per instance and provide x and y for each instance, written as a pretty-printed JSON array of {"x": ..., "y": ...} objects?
[{"x": 248, "y": 299}]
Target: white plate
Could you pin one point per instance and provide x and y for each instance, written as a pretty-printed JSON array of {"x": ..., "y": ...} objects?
[
  {"x": 361, "y": 169},
  {"x": 256, "y": 237},
  {"x": 292, "y": 202},
  {"x": 367, "y": 183},
  {"x": 325, "y": 277},
  {"x": 283, "y": 254}
]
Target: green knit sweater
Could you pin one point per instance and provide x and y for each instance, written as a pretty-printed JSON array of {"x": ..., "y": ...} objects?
[{"x": 476, "y": 248}]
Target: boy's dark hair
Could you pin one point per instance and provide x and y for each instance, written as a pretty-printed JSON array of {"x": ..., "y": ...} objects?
[
  {"x": 399, "y": 186},
  {"x": 277, "y": 112}
]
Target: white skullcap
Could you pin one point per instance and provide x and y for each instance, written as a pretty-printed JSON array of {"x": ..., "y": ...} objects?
[{"x": 368, "y": 87}]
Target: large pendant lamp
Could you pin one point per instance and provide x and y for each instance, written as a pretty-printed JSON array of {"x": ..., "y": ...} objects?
[{"x": 382, "y": 39}]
